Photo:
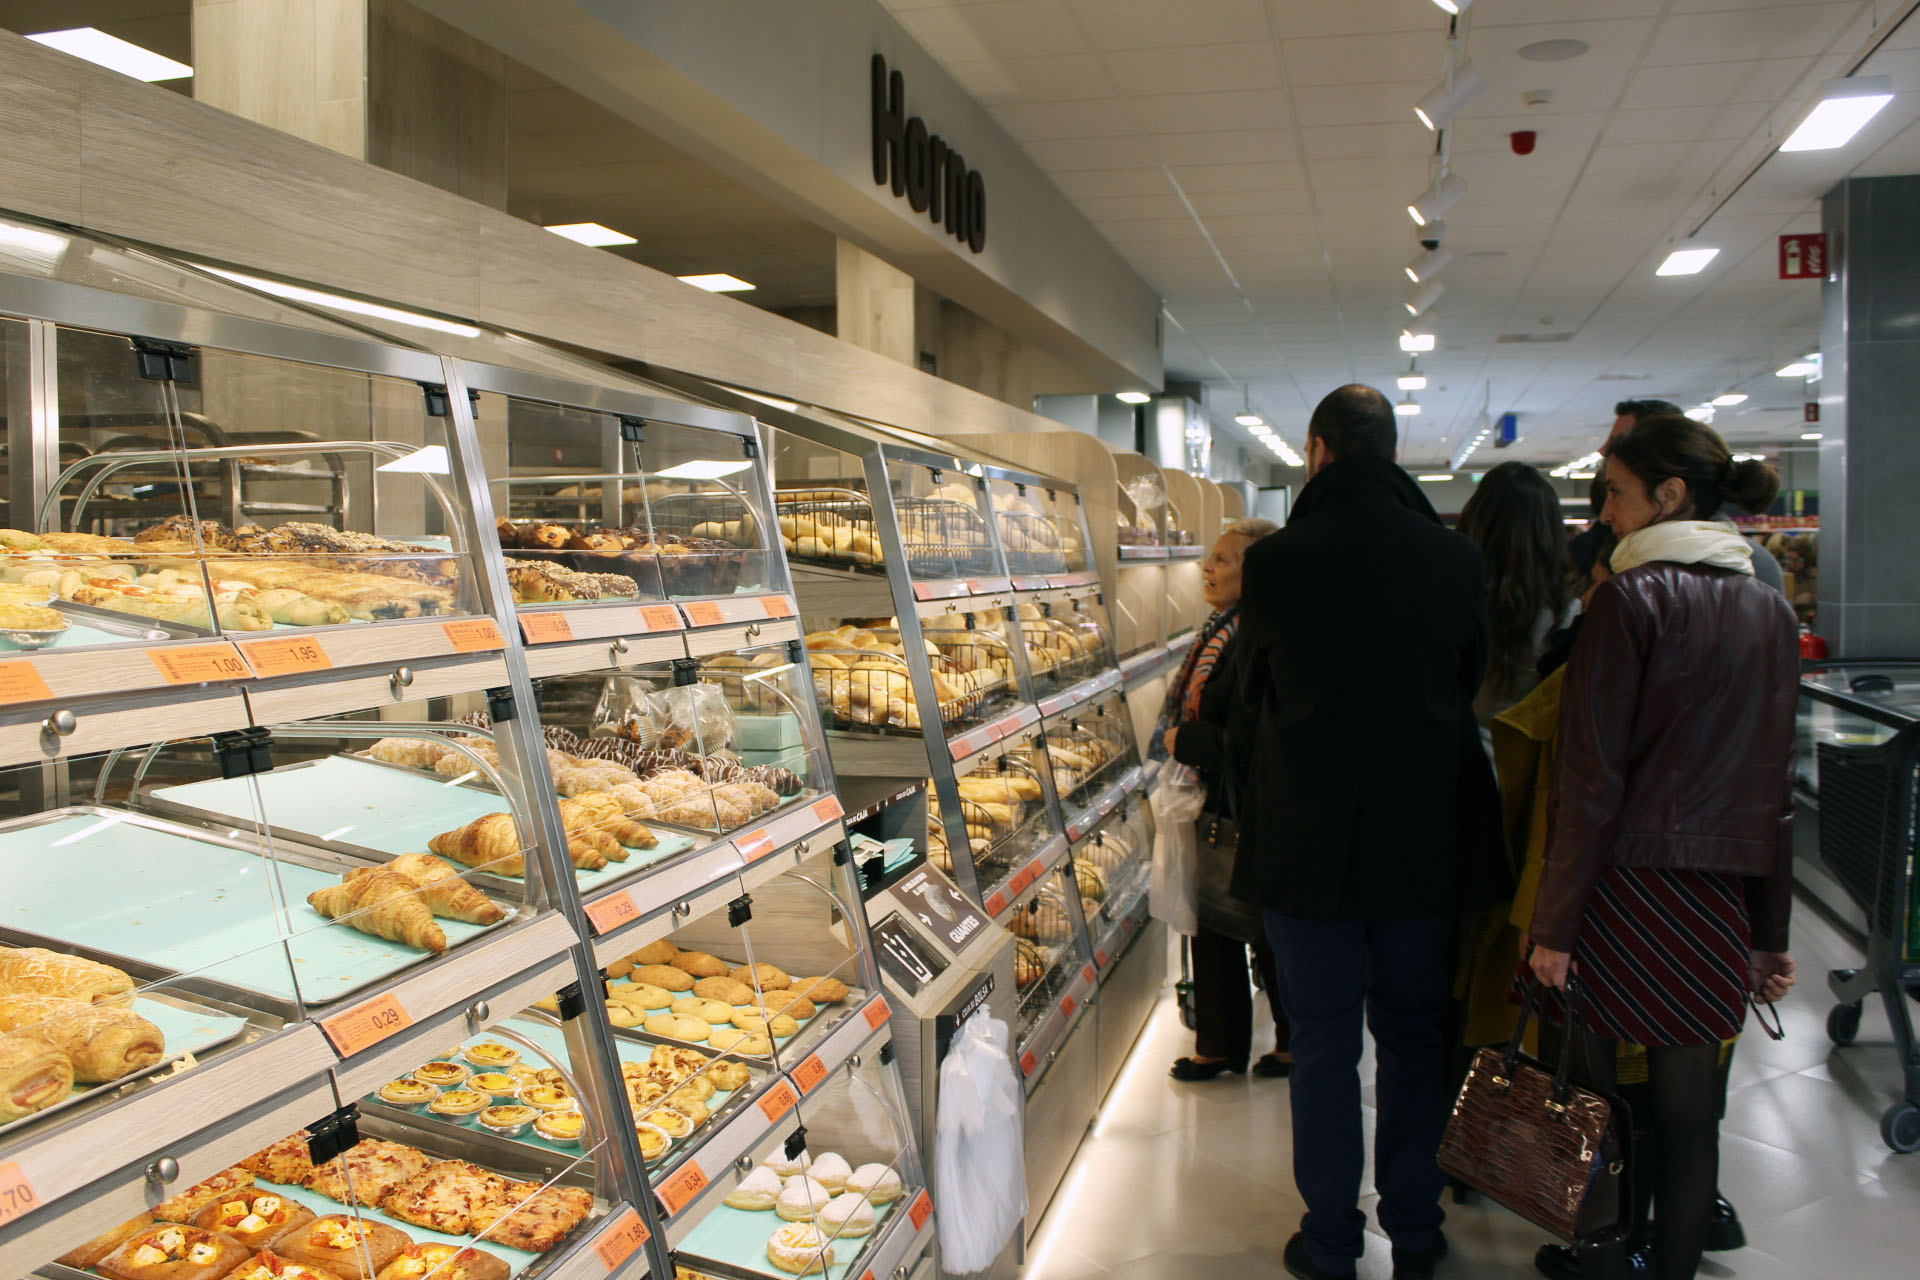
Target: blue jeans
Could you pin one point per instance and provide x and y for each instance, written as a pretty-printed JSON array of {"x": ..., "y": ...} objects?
[{"x": 1395, "y": 974}]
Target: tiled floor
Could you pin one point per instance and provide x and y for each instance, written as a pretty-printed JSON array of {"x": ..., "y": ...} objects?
[{"x": 1195, "y": 1180}]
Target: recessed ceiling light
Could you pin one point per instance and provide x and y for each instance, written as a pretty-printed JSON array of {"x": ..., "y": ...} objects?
[
  {"x": 1731, "y": 398},
  {"x": 1812, "y": 435},
  {"x": 1553, "y": 50},
  {"x": 1250, "y": 420},
  {"x": 591, "y": 233},
  {"x": 1133, "y": 397},
  {"x": 113, "y": 53},
  {"x": 1686, "y": 262},
  {"x": 1845, "y": 108},
  {"x": 1415, "y": 342},
  {"x": 717, "y": 282},
  {"x": 1798, "y": 369},
  {"x": 1435, "y": 479}
]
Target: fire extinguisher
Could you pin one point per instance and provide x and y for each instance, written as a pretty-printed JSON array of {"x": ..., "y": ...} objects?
[
  {"x": 1793, "y": 257},
  {"x": 1813, "y": 648}
]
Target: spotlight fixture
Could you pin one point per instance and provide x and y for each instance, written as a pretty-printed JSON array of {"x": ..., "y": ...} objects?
[
  {"x": 1437, "y": 199},
  {"x": 1407, "y": 408},
  {"x": 1419, "y": 303},
  {"x": 1686, "y": 262},
  {"x": 1133, "y": 397},
  {"x": 1438, "y": 108},
  {"x": 1729, "y": 399},
  {"x": 1415, "y": 343},
  {"x": 1413, "y": 379},
  {"x": 1844, "y": 109},
  {"x": 1428, "y": 264}
]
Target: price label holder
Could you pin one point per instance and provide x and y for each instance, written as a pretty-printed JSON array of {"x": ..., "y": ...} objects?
[
  {"x": 199, "y": 664},
  {"x": 20, "y": 681},
  {"x": 685, "y": 1183},
  {"x": 1086, "y": 974},
  {"x": 878, "y": 1011},
  {"x": 622, "y": 1240},
  {"x": 828, "y": 810},
  {"x": 705, "y": 613},
  {"x": 366, "y": 1025},
  {"x": 1068, "y": 1004},
  {"x": 17, "y": 1196},
  {"x": 809, "y": 1074},
  {"x": 1028, "y": 1063},
  {"x": 996, "y": 904},
  {"x": 612, "y": 912},
  {"x": 777, "y": 606},
  {"x": 473, "y": 635},
  {"x": 921, "y": 1210},
  {"x": 661, "y": 617},
  {"x": 545, "y": 628},
  {"x": 779, "y": 1100},
  {"x": 286, "y": 656},
  {"x": 754, "y": 845}
]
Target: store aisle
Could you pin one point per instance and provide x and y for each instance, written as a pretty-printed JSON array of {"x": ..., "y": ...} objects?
[{"x": 1182, "y": 1181}]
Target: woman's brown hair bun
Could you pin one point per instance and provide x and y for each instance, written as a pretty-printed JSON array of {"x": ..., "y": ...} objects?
[
  {"x": 1750, "y": 486},
  {"x": 1667, "y": 446}
]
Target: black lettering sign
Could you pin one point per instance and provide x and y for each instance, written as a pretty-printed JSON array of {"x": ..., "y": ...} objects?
[{"x": 923, "y": 168}]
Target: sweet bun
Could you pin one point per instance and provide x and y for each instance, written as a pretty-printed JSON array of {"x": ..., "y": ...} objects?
[
  {"x": 756, "y": 1192},
  {"x": 789, "y": 1002},
  {"x": 728, "y": 1075},
  {"x": 625, "y": 1015},
  {"x": 831, "y": 1171},
  {"x": 821, "y": 990},
  {"x": 677, "y": 1026},
  {"x": 751, "y": 1044},
  {"x": 641, "y": 995},
  {"x": 846, "y": 1217},
  {"x": 780, "y": 1025},
  {"x": 801, "y": 1198},
  {"x": 659, "y": 951},
  {"x": 667, "y": 976},
  {"x": 788, "y": 1166},
  {"x": 799, "y": 1249},
  {"x": 877, "y": 1182},
  {"x": 700, "y": 964}
]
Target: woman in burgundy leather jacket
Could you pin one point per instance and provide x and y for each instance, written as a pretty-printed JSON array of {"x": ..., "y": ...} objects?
[{"x": 1668, "y": 879}]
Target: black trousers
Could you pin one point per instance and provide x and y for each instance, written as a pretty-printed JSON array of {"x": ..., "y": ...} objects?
[{"x": 1223, "y": 996}]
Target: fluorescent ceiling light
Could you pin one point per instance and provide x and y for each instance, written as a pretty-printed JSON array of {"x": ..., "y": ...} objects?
[
  {"x": 1812, "y": 435},
  {"x": 1731, "y": 398},
  {"x": 113, "y": 53},
  {"x": 704, "y": 469},
  {"x": 1436, "y": 199},
  {"x": 1844, "y": 109},
  {"x": 1421, "y": 302},
  {"x": 1428, "y": 264},
  {"x": 1438, "y": 108},
  {"x": 1133, "y": 397},
  {"x": 1453, "y": 6},
  {"x": 718, "y": 282},
  {"x": 1798, "y": 369},
  {"x": 1407, "y": 408},
  {"x": 431, "y": 461},
  {"x": 353, "y": 306},
  {"x": 1264, "y": 431},
  {"x": 1686, "y": 262},
  {"x": 1415, "y": 342},
  {"x": 41, "y": 244},
  {"x": 1435, "y": 479},
  {"x": 1581, "y": 475},
  {"x": 1413, "y": 382},
  {"x": 1250, "y": 420},
  {"x": 591, "y": 233}
]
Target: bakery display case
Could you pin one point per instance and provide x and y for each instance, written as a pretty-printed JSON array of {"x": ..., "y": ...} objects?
[{"x": 1112, "y": 864}]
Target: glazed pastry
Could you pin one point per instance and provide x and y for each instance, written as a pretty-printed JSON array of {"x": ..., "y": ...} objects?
[
  {"x": 287, "y": 1162},
  {"x": 700, "y": 964},
  {"x": 444, "y": 1196},
  {"x": 255, "y": 1217},
  {"x": 498, "y": 1084},
  {"x": 711, "y": 1011},
  {"x": 800, "y": 1198},
  {"x": 665, "y": 976},
  {"x": 534, "y": 1218},
  {"x": 821, "y": 990},
  {"x": 756, "y": 1192},
  {"x": 441, "y": 888},
  {"x": 678, "y": 1026},
  {"x": 268, "y": 1265},
  {"x": 382, "y": 903},
  {"x": 35, "y": 971},
  {"x": 33, "y": 1075},
  {"x": 726, "y": 990},
  {"x": 90, "y": 1253},
  {"x": 770, "y": 977},
  {"x": 877, "y": 1182},
  {"x": 491, "y": 844},
  {"x": 831, "y": 1171},
  {"x": 168, "y": 1251},
  {"x": 788, "y": 1167},
  {"x": 751, "y": 1044},
  {"x": 641, "y": 995},
  {"x": 374, "y": 1167},
  {"x": 104, "y": 1041},
  {"x": 548, "y": 1097},
  {"x": 846, "y": 1217},
  {"x": 799, "y": 1249},
  {"x": 509, "y": 1120},
  {"x": 727, "y": 1076},
  {"x": 443, "y": 1075},
  {"x": 351, "y": 1248},
  {"x": 444, "y": 1262}
]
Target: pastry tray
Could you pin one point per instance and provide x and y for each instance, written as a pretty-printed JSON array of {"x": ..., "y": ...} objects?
[
  {"x": 373, "y": 811},
  {"x": 788, "y": 1051},
  {"x": 89, "y": 626},
  {"x": 168, "y": 902},
  {"x": 736, "y": 1239}
]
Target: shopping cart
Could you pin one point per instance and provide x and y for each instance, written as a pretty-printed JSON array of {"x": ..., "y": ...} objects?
[{"x": 1867, "y": 840}]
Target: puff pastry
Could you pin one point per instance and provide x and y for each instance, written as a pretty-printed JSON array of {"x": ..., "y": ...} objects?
[
  {"x": 350, "y": 1247},
  {"x": 268, "y": 1265},
  {"x": 444, "y": 1262},
  {"x": 105, "y": 1042},
  {"x": 90, "y": 1253},
  {"x": 491, "y": 844},
  {"x": 168, "y": 1251},
  {"x": 36, "y": 971},
  {"x": 441, "y": 888},
  {"x": 255, "y": 1217},
  {"x": 383, "y": 903},
  {"x": 800, "y": 1249},
  {"x": 33, "y": 1076},
  {"x": 222, "y": 1185}
]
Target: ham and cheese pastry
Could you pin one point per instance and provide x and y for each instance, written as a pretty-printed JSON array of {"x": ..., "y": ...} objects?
[
  {"x": 349, "y": 1247},
  {"x": 256, "y": 1217},
  {"x": 443, "y": 1262},
  {"x": 268, "y": 1265},
  {"x": 104, "y": 1041},
  {"x": 90, "y": 1253},
  {"x": 33, "y": 1076},
  {"x": 169, "y": 1251},
  {"x": 223, "y": 1185},
  {"x": 36, "y": 971}
]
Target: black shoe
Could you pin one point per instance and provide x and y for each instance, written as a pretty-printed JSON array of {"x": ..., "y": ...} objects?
[
  {"x": 1408, "y": 1265},
  {"x": 1188, "y": 1069},
  {"x": 1562, "y": 1262},
  {"x": 1273, "y": 1067},
  {"x": 1298, "y": 1263},
  {"x": 1724, "y": 1232}
]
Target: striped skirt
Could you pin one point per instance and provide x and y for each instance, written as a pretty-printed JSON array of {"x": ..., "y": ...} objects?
[{"x": 1663, "y": 956}]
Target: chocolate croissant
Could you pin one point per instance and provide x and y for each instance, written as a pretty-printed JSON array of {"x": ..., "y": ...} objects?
[
  {"x": 104, "y": 1041},
  {"x": 32, "y": 1077},
  {"x": 383, "y": 904},
  {"x": 441, "y": 888}
]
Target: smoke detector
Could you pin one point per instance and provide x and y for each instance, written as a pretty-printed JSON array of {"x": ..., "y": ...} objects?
[{"x": 1537, "y": 97}]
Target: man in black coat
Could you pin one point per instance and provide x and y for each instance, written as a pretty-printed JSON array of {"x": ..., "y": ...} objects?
[{"x": 1370, "y": 818}]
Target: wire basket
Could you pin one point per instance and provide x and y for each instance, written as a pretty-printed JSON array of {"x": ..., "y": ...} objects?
[
  {"x": 1031, "y": 543},
  {"x": 944, "y": 538},
  {"x": 829, "y": 526}
]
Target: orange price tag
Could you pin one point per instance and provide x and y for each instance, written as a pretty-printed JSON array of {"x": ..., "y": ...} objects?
[
  {"x": 473, "y": 635},
  {"x": 829, "y": 809},
  {"x": 545, "y": 628},
  {"x": 810, "y": 1073},
  {"x": 1101, "y": 957},
  {"x": 754, "y": 845},
  {"x": 866, "y": 1275},
  {"x": 1028, "y": 1062},
  {"x": 287, "y": 656},
  {"x": 779, "y": 1100},
  {"x": 678, "y": 1191},
  {"x": 705, "y": 613},
  {"x": 777, "y": 606},
  {"x": 612, "y": 911},
  {"x": 877, "y": 1012},
  {"x": 17, "y": 1196},
  {"x": 996, "y": 904},
  {"x": 922, "y": 1209},
  {"x": 20, "y": 681},
  {"x": 620, "y": 1242},
  {"x": 1068, "y": 1005},
  {"x": 661, "y": 617},
  {"x": 367, "y": 1025},
  {"x": 197, "y": 664},
  {"x": 1087, "y": 973}
]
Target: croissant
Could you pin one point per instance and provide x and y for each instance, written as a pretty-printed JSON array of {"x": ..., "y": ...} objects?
[
  {"x": 32, "y": 1076},
  {"x": 602, "y": 812},
  {"x": 35, "y": 971},
  {"x": 441, "y": 888},
  {"x": 588, "y": 846},
  {"x": 383, "y": 904},
  {"x": 417, "y": 753},
  {"x": 491, "y": 843},
  {"x": 104, "y": 1041}
]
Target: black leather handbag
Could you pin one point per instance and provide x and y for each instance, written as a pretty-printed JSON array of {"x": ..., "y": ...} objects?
[{"x": 1217, "y": 838}]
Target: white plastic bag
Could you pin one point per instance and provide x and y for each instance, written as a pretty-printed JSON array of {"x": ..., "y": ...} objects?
[
  {"x": 1174, "y": 893},
  {"x": 979, "y": 1161}
]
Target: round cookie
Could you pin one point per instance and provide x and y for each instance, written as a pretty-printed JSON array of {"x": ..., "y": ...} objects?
[
  {"x": 664, "y": 975},
  {"x": 789, "y": 1002},
  {"x": 728, "y": 1075},
  {"x": 657, "y": 952},
  {"x": 772, "y": 978},
  {"x": 640, "y": 995},
  {"x": 778, "y": 1024},
  {"x": 713, "y": 1011},
  {"x": 753, "y": 1044},
  {"x": 821, "y": 990},
  {"x": 624, "y": 1015},
  {"x": 699, "y": 964},
  {"x": 726, "y": 989},
  {"x": 677, "y": 1026}
]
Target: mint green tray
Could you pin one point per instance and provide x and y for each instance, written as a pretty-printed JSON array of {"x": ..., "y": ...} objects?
[
  {"x": 517, "y": 1260},
  {"x": 738, "y": 1238}
]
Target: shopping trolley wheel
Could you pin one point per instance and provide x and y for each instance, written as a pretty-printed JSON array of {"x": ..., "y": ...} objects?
[
  {"x": 1900, "y": 1127},
  {"x": 1843, "y": 1023}
]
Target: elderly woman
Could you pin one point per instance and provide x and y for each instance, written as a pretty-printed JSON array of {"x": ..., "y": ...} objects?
[{"x": 1196, "y": 710}]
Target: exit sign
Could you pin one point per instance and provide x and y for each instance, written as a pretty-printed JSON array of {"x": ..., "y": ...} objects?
[{"x": 1803, "y": 256}]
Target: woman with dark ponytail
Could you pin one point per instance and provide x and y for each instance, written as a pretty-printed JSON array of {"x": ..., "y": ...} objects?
[{"x": 1667, "y": 880}]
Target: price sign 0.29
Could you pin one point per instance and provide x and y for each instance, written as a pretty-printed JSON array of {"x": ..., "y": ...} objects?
[{"x": 367, "y": 1025}]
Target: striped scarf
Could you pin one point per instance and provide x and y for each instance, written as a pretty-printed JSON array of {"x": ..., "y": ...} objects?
[{"x": 1183, "y": 700}]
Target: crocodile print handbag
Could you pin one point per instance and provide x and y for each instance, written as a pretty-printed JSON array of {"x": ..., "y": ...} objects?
[{"x": 1553, "y": 1152}]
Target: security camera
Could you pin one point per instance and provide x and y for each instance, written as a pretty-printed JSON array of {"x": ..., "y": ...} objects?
[{"x": 1432, "y": 234}]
